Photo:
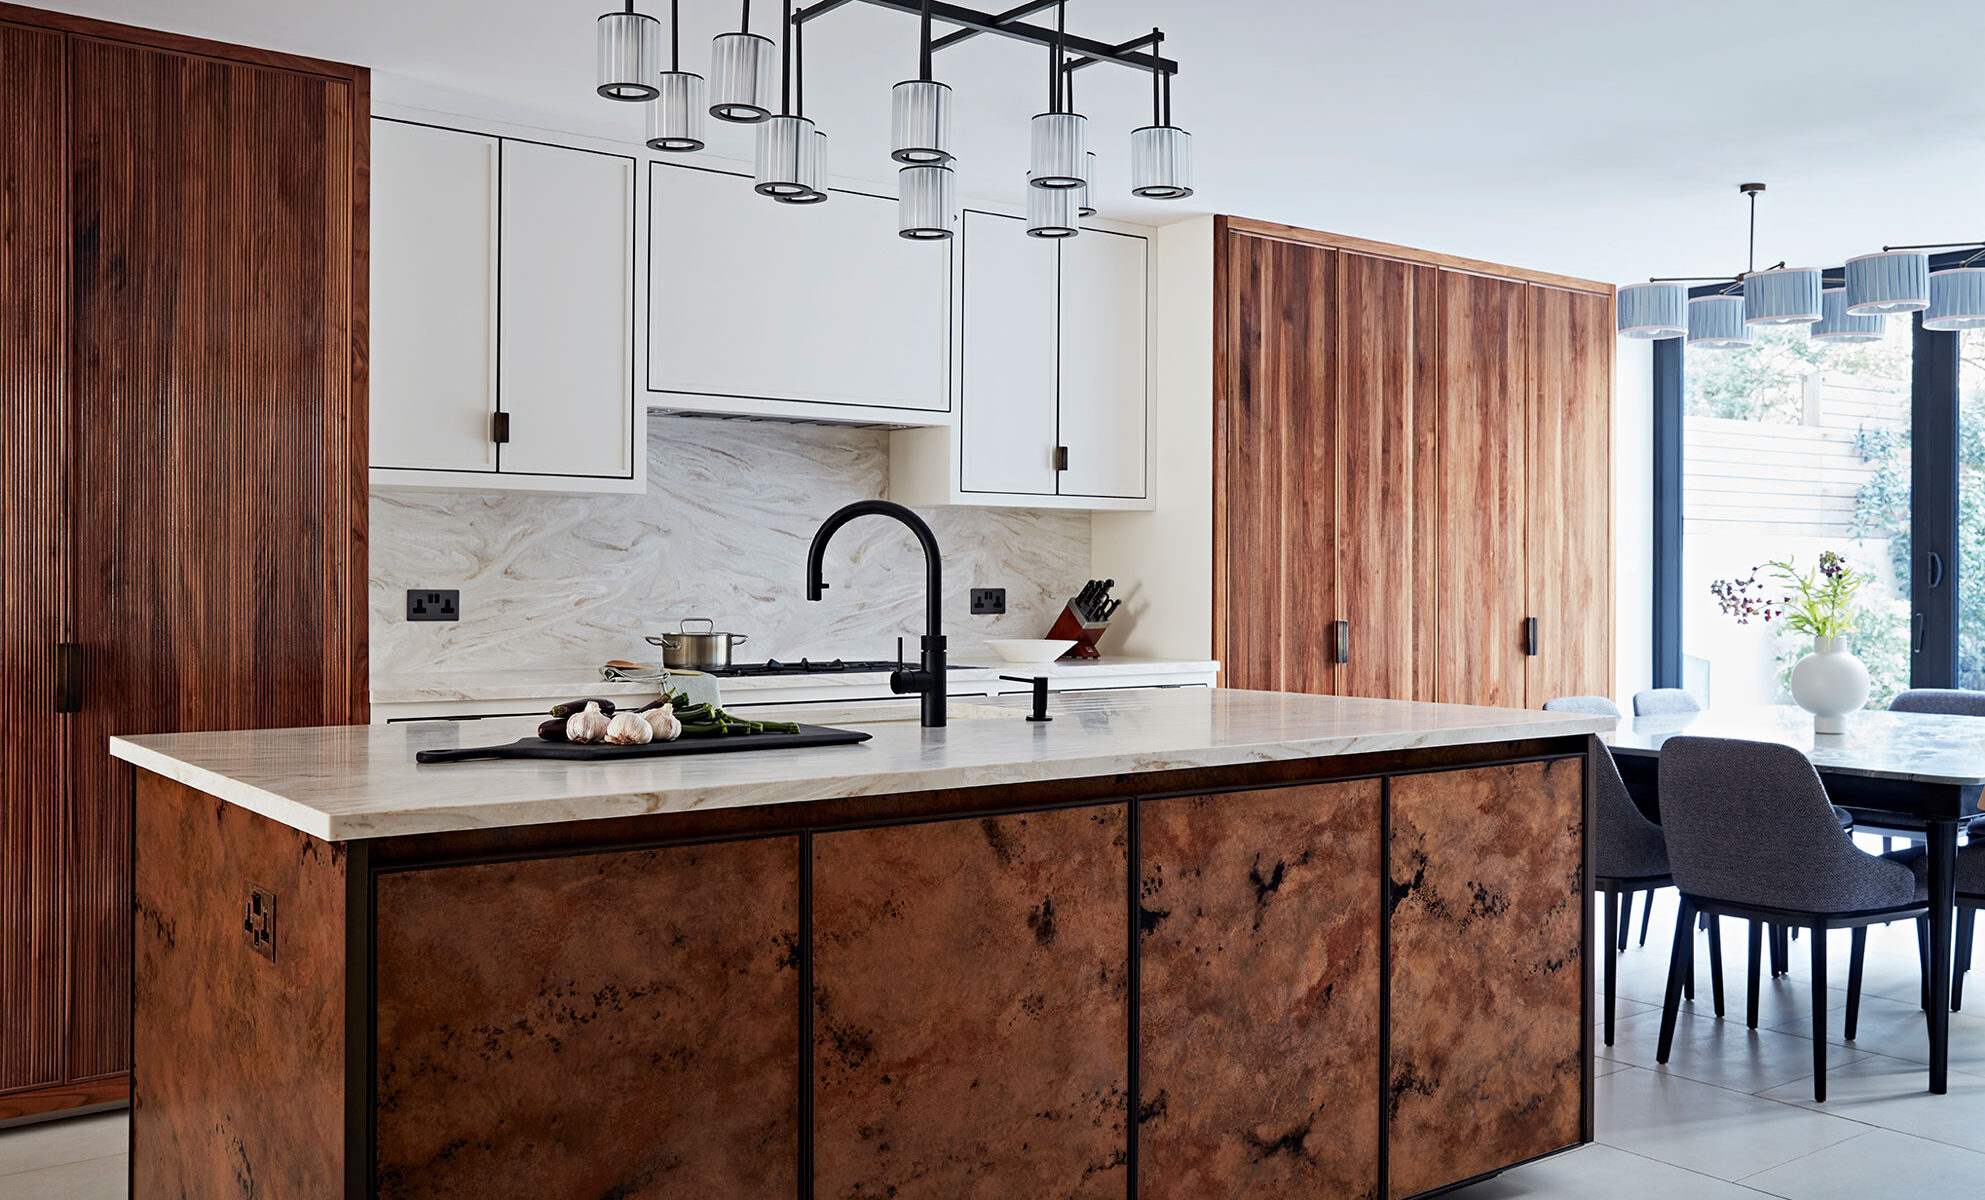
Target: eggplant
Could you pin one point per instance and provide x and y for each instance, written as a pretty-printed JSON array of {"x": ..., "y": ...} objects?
[
  {"x": 553, "y": 730},
  {"x": 570, "y": 707}
]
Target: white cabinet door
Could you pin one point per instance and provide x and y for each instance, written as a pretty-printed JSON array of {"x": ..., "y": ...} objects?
[
  {"x": 1006, "y": 366},
  {"x": 821, "y": 305},
  {"x": 1104, "y": 356},
  {"x": 433, "y": 306},
  {"x": 566, "y": 355}
]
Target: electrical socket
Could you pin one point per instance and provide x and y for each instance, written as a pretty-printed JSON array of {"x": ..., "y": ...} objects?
[
  {"x": 988, "y": 602},
  {"x": 258, "y": 921},
  {"x": 433, "y": 605}
]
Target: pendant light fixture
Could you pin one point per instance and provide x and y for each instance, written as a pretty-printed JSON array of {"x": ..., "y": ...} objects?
[
  {"x": 813, "y": 150},
  {"x": 1051, "y": 212},
  {"x": 1060, "y": 139},
  {"x": 1653, "y": 310},
  {"x": 1160, "y": 153},
  {"x": 1894, "y": 281},
  {"x": 741, "y": 74},
  {"x": 1957, "y": 298},
  {"x": 1838, "y": 324},
  {"x": 1084, "y": 208},
  {"x": 786, "y": 141},
  {"x": 627, "y": 54},
  {"x": 675, "y": 115},
  {"x": 1717, "y": 323},
  {"x": 1779, "y": 295},
  {"x": 920, "y": 112},
  {"x": 925, "y": 203}
]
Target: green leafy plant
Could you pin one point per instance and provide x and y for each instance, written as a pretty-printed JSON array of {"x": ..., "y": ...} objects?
[{"x": 1819, "y": 602}]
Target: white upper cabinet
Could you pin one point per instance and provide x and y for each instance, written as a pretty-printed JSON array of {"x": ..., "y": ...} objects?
[
  {"x": 1105, "y": 346},
  {"x": 433, "y": 335},
  {"x": 503, "y": 294},
  {"x": 1006, "y": 358},
  {"x": 807, "y": 312},
  {"x": 567, "y": 355}
]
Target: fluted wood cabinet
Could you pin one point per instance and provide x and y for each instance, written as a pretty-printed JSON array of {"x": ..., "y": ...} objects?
[
  {"x": 1412, "y": 472},
  {"x": 182, "y": 394}
]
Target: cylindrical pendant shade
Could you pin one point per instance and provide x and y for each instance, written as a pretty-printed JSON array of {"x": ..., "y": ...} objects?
[
  {"x": 1896, "y": 281},
  {"x": 742, "y": 68},
  {"x": 1957, "y": 299},
  {"x": 924, "y": 203},
  {"x": 920, "y": 123},
  {"x": 629, "y": 44},
  {"x": 675, "y": 116},
  {"x": 1051, "y": 212},
  {"x": 1836, "y": 324},
  {"x": 1060, "y": 150},
  {"x": 813, "y": 172},
  {"x": 784, "y": 146},
  {"x": 1161, "y": 162},
  {"x": 1085, "y": 207},
  {"x": 1782, "y": 296},
  {"x": 1653, "y": 310},
  {"x": 1717, "y": 323}
]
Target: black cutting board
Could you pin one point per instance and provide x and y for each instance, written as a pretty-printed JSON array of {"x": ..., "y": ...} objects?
[{"x": 535, "y": 747}]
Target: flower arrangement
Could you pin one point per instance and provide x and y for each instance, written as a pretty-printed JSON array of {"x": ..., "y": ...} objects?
[{"x": 1818, "y": 602}]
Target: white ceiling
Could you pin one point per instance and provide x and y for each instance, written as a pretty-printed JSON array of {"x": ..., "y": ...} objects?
[{"x": 1591, "y": 137}]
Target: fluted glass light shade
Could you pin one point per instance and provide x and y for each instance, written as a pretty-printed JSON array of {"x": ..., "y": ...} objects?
[
  {"x": 1957, "y": 299},
  {"x": 1653, "y": 310},
  {"x": 1051, "y": 212},
  {"x": 742, "y": 68},
  {"x": 920, "y": 123},
  {"x": 630, "y": 51},
  {"x": 813, "y": 172},
  {"x": 1717, "y": 323},
  {"x": 1161, "y": 162},
  {"x": 675, "y": 116},
  {"x": 1894, "y": 281},
  {"x": 1782, "y": 296},
  {"x": 1060, "y": 151},
  {"x": 1084, "y": 207},
  {"x": 1836, "y": 324},
  {"x": 925, "y": 197},
  {"x": 784, "y": 146}
]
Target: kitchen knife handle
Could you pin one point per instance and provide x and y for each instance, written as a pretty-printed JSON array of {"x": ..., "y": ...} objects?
[
  {"x": 1530, "y": 637},
  {"x": 1343, "y": 642}
]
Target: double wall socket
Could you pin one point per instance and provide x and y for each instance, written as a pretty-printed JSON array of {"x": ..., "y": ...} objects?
[
  {"x": 425, "y": 605},
  {"x": 988, "y": 602}
]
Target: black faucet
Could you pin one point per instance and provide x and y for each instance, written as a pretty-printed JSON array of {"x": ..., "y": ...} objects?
[{"x": 929, "y": 678}]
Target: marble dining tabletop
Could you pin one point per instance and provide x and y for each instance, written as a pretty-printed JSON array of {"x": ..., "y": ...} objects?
[{"x": 1914, "y": 747}]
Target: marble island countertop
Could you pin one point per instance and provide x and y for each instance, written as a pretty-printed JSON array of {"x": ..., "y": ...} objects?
[{"x": 354, "y": 782}]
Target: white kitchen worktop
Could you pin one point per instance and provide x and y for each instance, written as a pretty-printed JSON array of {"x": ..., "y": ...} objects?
[{"x": 361, "y": 781}]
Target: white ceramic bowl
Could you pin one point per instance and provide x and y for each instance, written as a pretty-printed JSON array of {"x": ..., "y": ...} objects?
[{"x": 1030, "y": 650}]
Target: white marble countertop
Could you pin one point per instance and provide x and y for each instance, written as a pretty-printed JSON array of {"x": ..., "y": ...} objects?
[
  {"x": 1915, "y": 747},
  {"x": 499, "y": 684},
  {"x": 361, "y": 781}
]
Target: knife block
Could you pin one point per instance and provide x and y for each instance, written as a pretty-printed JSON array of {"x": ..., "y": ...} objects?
[{"x": 1084, "y": 632}]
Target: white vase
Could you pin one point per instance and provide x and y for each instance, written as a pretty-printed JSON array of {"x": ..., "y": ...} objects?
[{"x": 1830, "y": 683}]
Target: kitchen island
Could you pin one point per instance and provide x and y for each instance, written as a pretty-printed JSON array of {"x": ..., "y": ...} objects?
[{"x": 1172, "y": 943}]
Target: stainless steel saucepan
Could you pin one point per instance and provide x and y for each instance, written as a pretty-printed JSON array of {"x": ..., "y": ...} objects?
[{"x": 707, "y": 650}]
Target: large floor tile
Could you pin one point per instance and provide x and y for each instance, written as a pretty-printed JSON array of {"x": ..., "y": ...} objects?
[
  {"x": 1593, "y": 1171},
  {"x": 1879, "y": 1163},
  {"x": 1901, "y": 1030},
  {"x": 91, "y": 1179},
  {"x": 1708, "y": 1129},
  {"x": 52, "y": 1143},
  {"x": 1895, "y": 1095},
  {"x": 1725, "y": 1053}
]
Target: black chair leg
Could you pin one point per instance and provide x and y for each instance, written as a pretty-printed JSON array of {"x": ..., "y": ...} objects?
[
  {"x": 1923, "y": 959},
  {"x": 1646, "y": 915},
  {"x": 1716, "y": 963},
  {"x": 1613, "y": 957},
  {"x": 1856, "y": 959},
  {"x": 1757, "y": 959},
  {"x": 1819, "y": 1015},
  {"x": 1967, "y": 920},
  {"x": 1778, "y": 951},
  {"x": 1623, "y": 924},
  {"x": 1680, "y": 963}
]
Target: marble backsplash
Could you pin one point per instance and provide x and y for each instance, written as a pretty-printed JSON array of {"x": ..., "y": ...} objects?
[{"x": 559, "y": 582}]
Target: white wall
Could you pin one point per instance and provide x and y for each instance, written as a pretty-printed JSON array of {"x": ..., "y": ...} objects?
[
  {"x": 1163, "y": 560},
  {"x": 1633, "y": 518}
]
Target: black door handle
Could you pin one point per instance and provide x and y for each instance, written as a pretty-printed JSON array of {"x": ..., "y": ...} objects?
[
  {"x": 1936, "y": 569},
  {"x": 1530, "y": 637},
  {"x": 1916, "y": 643},
  {"x": 1343, "y": 649},
  {"x": 499, "y": 428},
  {"x": 68, "y": 677}
]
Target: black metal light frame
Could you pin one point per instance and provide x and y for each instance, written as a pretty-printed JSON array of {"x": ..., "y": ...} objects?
[{"x": 971, "y": 22}]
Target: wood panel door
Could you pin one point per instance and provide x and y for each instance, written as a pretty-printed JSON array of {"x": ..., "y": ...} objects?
[
  {"x": 1570, "y": 536},
  {"x": 1275, "y": 507},
  {"x": 1484, "y": 377},
  {"x": 220, "y": 451},
  {"x": 34, "y": 557},
  {"x": 1388, "y": 339},
  {"x": 971, "y": 1008},
  {"x": 1487, "y": 885},
  {"x": 1258, "y": 1010}
]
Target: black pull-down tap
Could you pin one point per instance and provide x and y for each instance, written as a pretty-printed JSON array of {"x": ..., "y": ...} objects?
[{"x": 929, "y": 678}]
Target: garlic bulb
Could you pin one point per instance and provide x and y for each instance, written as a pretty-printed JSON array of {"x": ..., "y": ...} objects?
[
  {"x": 629, "y": 729},
  {"x": 663, "y": 722},
  {"x": 587, "y": 725}
]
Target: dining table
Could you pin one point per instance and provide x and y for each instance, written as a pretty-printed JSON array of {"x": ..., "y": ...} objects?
[{"x": 1926, "y": 767}]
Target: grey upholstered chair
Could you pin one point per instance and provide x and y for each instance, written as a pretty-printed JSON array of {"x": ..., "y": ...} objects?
[
  {"x": 1663, "y": 701},
  {"x": 1751, "y": 834},
  {"x": 1629, "y": 854},
  {"x": 1949, "y": 702}
]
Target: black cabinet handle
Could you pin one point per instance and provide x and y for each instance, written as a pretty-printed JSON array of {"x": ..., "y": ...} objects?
[
  {"x": 499, "y": 428},
  {"x": 68, "y": 677},
  {"x": 1936, "y": 566},
  {"x": 1061, "y": 458},
  {"x": 1916, "y": 643},
  {"x": 1530, "y": 637},
  {"x": 1343, "y": 649}
]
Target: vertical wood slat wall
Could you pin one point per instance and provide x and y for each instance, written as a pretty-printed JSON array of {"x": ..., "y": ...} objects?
[
  {"x": 1418, "y": 445},
  {"x": 200, "y": 365}
]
